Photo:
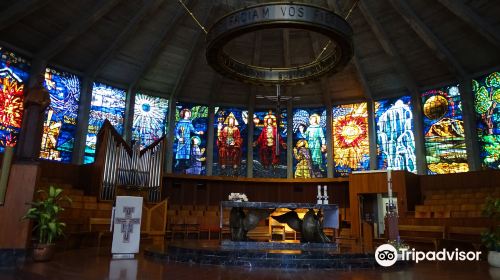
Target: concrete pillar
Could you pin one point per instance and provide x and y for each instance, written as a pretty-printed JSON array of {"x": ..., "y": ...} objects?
[
  {"x": 289, "y": 139},
  {"x": 418, "y": 132},
  {"x": 469, "y": 118},
  {"x": 251, "y": 110},
  {"x": 372, "y": 134},
  {"x": 129, "y": 115},
  {"x": 36, "y": 100},
  {"x": 82, "y": 121},
  {"x": 170, "y": 135},
  {"x": 210, "y": 139},
  {"x": 329, "y": 141}
]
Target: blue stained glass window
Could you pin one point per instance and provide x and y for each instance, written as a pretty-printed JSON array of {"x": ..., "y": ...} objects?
[
  {"x": 487, "y": 106},
  {"x": 13, "y": 77},
  {"x": 230, "y": 138},
  {"x": 444, "y": 131},
  {"x": 150, "y": 118},
  {"x": 395, "y": 138},
  {"x": 107, "y": 103},
  {"x": 269, "y": 155},
  {"x": 309, "y": 139},
  {"x": 190, "y": 139},
  {"x": 60, "y": 118}
]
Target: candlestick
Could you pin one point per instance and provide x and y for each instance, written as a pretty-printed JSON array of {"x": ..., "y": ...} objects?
[
  {"x": 319, "y": 197},
  {"x": 325, "y": 196}
]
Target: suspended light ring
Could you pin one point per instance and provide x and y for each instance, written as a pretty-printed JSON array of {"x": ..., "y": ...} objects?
[{"x": 279, "y": 15}]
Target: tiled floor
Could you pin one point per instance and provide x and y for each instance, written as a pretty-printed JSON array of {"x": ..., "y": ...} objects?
[{"x": 89, "y": 264}]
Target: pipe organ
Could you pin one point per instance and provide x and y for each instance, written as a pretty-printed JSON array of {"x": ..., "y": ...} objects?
[{"x": 129, "y": 167}]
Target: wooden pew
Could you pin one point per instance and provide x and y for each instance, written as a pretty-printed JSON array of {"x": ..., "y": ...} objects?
[
  {"x": 422, "y": 234},
  {"x": 467, "y": 235}
]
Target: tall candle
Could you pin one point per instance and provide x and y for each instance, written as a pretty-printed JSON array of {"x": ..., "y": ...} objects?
[
  {"x": 319, "y": 190},
  {"x": 389, "y": 183},
  {"x": 325, "y": 191}
]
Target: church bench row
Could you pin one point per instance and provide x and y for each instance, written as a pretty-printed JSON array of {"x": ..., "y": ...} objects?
[{"x": 436, "y": 235}]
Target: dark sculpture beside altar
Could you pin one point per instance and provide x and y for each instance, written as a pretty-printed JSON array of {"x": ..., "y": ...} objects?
[{"x": 310, "y": 227}]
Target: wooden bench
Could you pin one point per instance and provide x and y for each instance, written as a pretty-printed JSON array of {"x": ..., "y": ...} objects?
[
  {"x": 260, "y": 233},
  {"x": 425, "y": 234},
  {"x": 468, "y": 235}
]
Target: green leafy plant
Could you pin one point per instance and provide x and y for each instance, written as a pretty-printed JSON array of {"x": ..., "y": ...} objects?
[
  {"x": 399, "y": 244},
  {"x": 45, "y": 213},
  {"x": 491, "y": 238}
]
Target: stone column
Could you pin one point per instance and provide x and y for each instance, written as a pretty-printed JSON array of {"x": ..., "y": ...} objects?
[
  {"x": 469, "y": 118},
  {"x": 82, "y": 124},
  {"x": 372, "y": 134},
  {"x": 210, "y": 140}
]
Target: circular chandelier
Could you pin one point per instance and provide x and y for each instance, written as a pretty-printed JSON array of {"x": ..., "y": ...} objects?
[{"x": 280, "y": 15}]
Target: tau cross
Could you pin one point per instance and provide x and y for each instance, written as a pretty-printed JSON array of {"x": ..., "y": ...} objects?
[{"x": 127, "y": 223}]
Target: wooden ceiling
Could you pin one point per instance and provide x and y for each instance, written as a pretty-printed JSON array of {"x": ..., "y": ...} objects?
[{"x": 154, "y": 46}]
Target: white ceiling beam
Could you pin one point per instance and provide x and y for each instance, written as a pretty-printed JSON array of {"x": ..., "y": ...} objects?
[
  {"x": 76, "y": 29},
  {"x": 120, "y": 40},
  {"x": 429, "y": 38},
  {"x": 461, "y": 10}
]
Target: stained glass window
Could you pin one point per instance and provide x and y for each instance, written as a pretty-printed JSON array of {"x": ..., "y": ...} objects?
[
  {"x": 230, "y": 142},
  {"x": 107, "y": 103},
  {"x": 351, "y": 146},
  {"x": 59, "y": 127},
  {"x": 13, "y": 76},
  {"x": 190, "y": 138},
  {"x": 269, "y": 152},
  {"x": 395, "y": 138},
  {"x": 487, "y": 104},
  {"x": 150, "y": 115},
  {"x": 444, "y": 131},
  {"x": 309, "y": 139}
]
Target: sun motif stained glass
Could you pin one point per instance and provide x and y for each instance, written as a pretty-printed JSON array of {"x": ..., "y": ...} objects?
[
  {"x": 309, "y": 138},
  {"x": 487, "y": 106},
  {"x": 190, "y": 139},
  {"x": 107, "y": 103},
  {"x": 444, "y": 131},
  {"x": 395, "y": 138},
  {"x": 351, "y": 146},
  {"x": 59, "y": 127},
  {"x": 230, "y": 138},
  {"x": 150, "y": 115},
  {"x": 13, "y": 77},
  {"x": 269, "y": 152}
]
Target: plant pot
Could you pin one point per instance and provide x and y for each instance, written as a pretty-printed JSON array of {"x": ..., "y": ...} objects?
[
  {"x": 43, "y": 252},
  {"x": 494, "y": 258}
]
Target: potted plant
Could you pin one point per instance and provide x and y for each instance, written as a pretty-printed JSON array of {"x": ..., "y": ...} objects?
[
  {"x": 45, "y": 214},
  {"x": 491, "y": 238}
]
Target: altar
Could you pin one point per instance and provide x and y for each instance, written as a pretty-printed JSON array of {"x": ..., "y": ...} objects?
[{"x": 245, "y": 216}]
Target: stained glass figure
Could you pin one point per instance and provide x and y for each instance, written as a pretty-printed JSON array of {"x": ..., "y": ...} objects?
[
  {"x": 59, "y": 127},
  {"x": 230, "y": 133},
  {"x": 107, "y": 103},
  {"x": 190, "y": 139},
  {"x": 444, "y": 131},
  {"x": 351, "y": 146},
  {"x": 395, "y": 138},
  {"x": 269, "y": 152},
  {"x": 150, "y": 119},
  {"x": 309, "y": 130},
  {"x": 13, "y": 77},
  {"x": 487, "y": 105}
]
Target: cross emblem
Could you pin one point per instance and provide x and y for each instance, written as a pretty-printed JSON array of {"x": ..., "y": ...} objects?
[{"x": 127, "y": 223}]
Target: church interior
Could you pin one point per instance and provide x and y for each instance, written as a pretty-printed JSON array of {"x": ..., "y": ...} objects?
[{"x": 242, "y": 139}]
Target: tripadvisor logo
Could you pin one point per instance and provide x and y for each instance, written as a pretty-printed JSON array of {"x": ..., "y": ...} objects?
[{"x": 386, "y": 255}]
